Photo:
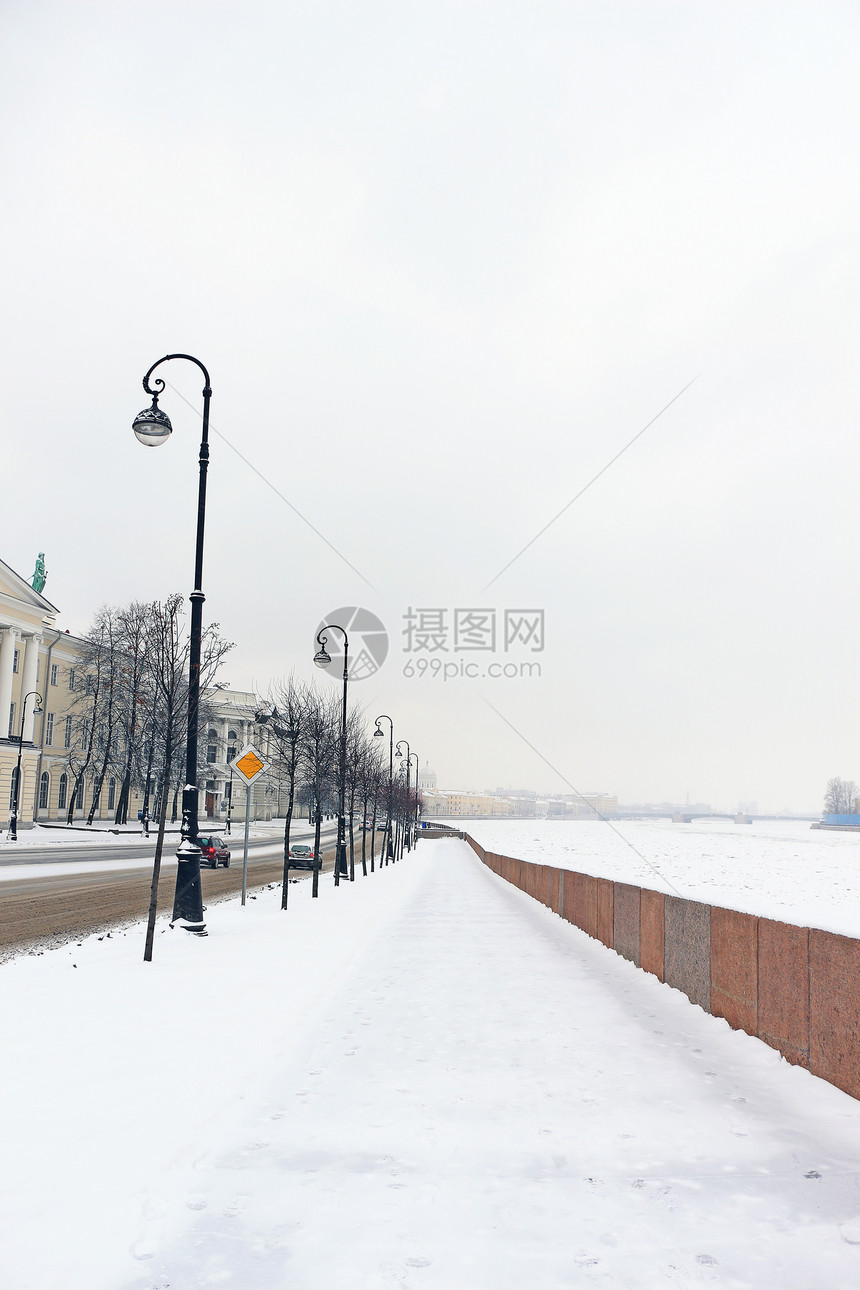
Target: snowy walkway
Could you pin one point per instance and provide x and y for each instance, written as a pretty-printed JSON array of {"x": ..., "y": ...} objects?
[{"x": 425, "y": 1081}]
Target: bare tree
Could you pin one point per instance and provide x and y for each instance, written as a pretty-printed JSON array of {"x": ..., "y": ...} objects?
[
  {"x": 840, "y": 796},
  {"x": 90, "y": 675},
  {"x": 371, "y": 776},
  {"x": 288, "y": 703},
  {"x": 105, "y": 640},
  {"x": 135, "y": 696},
  {"x": 319, "y": 753}
]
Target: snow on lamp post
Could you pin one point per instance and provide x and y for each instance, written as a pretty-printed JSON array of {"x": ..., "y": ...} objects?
[
  {"x": 16, "y": 796},
  {"x": 377, "y": 734},
  {"x": 323, "y": 659},
  {"x": 152, "y": 427},
  {"x": 413, "y": 815},
  {"x": 407, "y": 762}
]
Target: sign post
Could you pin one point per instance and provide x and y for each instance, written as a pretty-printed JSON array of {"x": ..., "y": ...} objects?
[{"x": 249, "y": 765}]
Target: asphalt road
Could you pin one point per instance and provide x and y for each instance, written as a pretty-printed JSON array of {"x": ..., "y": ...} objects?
[
  {"x": 137, "y": 849},
  {"x": 47, "y": 909}
]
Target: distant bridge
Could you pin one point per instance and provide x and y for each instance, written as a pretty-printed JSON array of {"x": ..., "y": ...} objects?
[
  {"x": 677, "y": 817},
  {"x": 687, "y": 817}
]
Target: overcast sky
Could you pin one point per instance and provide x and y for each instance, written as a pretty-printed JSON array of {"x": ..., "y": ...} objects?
[{"x": 443, "y": 261}]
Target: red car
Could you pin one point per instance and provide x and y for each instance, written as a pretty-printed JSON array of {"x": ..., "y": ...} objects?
[{"x": 214, "y": 851}]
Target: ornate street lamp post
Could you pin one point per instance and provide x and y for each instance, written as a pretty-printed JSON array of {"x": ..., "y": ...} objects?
[
  {"x": 407, "y": 761},
  {"x": 16, "y": 796},
  {"x": 152, "y": 427},
  {"x": 323, "y": 659},
  {"x": 414, "y": 815},
  {"x": 377, "y": 734}
]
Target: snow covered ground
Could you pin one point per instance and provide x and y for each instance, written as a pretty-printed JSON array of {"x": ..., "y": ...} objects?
[
  {"x": 779, "y": 869},
  {"x": 423, "y": 1079}
]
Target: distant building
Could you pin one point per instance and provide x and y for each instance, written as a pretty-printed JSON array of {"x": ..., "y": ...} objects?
[
  {"x": 459, "y": 804},
  {"x": 463, "y": 805},
  {"x": 427, "y": 777}
]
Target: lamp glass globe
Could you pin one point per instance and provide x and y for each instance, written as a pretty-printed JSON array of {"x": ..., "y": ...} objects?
[{"x": 152, "y": 427}]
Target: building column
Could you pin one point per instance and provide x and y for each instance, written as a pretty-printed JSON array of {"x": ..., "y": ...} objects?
[
  {"x": 28, "y": 683},
  {"x": 8, "y": 643}
]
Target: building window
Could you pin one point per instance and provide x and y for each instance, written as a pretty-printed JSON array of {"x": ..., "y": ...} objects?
[
  {"x": 231, "y": 745},
  {"x": 67, "y": 733},
  {"x": 71, "y": 678},
  {"x": 79, "y": 802},
  {"x": 44, "y": 785},
  {"x": 49, "y": 728},
  {"x": 13, "y": 790},
  {"x": 111, "y": 793},
  {"x": 11, "y": 719},
  {"x": 53, "y": 674},
  {"x": 16, "y": 660},
  {"x": 212, "y": 749},
  {"x": 64, "y": 788}
]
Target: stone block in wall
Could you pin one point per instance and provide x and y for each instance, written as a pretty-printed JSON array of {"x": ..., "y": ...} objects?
[
  {"x": 783, "y": 988},
  {"x": 834, "y": 1016},
  {"x": 585, "y": 903},
  {"x": 568, "y": 894},
  {"x": 687, "y": 948},
  {"x": 734, "y": 968},
  {"x": 651, "y": 932},
  {"x": 626, "y": 937},
  {"x": 606, "y": 911}
]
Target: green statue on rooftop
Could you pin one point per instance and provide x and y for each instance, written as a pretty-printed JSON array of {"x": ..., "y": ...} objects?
[{"x": 40, "y": 574}]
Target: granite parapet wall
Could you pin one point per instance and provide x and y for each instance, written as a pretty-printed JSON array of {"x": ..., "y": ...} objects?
[{"x": 795, "y": 988}]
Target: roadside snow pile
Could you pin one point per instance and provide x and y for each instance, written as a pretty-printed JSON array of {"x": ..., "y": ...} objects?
[
  {"x": 423, "y": 1079},
  {"x": 776, "y": 869}
]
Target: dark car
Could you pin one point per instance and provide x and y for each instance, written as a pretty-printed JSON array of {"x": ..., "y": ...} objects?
[
  {"x": 214, "y": 851},
  {"x": 302, "y": 857}
]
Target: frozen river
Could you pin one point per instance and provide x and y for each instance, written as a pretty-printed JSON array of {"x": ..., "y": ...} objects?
[{"x": 779, "y": 869}]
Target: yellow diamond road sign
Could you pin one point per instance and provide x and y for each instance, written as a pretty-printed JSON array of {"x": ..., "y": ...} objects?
[{"x": 249, "y": 764}]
